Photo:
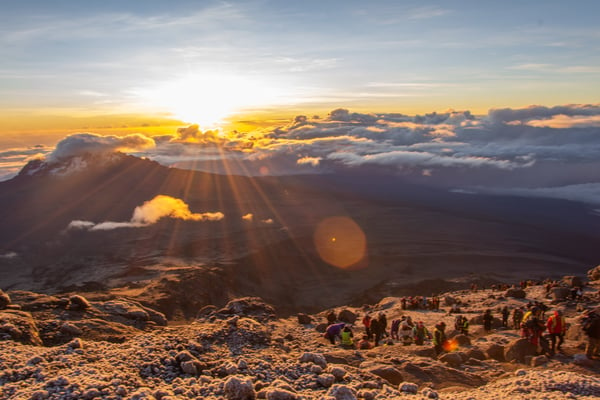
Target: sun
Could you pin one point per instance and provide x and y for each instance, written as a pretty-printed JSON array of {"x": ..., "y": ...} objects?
[{"x": 207, "y": 99}]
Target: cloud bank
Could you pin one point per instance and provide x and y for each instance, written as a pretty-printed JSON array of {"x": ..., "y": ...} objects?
[
  {"x": 149, "y": 213},
  {"x": 81, "y": 143},
  {"x": 529, "y": 148}
]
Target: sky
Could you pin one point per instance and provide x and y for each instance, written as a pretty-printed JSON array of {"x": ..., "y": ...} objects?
[{"x": 245, "y": 70}]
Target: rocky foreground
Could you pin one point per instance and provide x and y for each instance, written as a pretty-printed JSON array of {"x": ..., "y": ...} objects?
[{"x": 72, "y": 348}]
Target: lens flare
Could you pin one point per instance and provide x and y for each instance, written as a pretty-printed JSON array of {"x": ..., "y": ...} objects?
[
  {"x": 450, "y": 345},
  {"x": 340, "y": 242}
]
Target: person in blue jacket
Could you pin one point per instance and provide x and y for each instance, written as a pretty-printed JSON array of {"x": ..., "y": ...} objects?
[{"x": 333, "y": 331}]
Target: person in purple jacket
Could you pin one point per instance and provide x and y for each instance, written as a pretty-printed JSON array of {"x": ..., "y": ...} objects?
[{"x": 333, "y": 331}]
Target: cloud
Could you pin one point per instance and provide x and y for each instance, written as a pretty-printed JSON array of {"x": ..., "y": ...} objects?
[
  {"x": 82, "y": 143},
  {"x": 149, "y": 213},
  {"x": 314, "y": 161},
  {"x": 193, "y": 134},
  {"x": 248, "y": 217},
  {"x": 587, "y": 192}
]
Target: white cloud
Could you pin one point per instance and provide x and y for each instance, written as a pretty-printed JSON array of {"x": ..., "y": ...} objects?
[
  {"x": 314, "y": 161},
  {"x": 149, "y": 213}
]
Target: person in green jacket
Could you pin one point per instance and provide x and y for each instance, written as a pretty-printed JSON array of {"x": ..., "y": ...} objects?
[
  {"x": 347, "y": 336},
  {"x": 439, "y": 338}
]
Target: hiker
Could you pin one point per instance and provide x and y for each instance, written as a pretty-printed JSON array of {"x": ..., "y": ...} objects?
[
  {"x": 439, "y": 338},
  {"x": 333, "y": 331},
  {"x": 464, "y": 326},
  {"x": 346, "y": 337},
  {"x": 557, "y": 328},
  {"x": 420, "y": 332},
  {"x": 395, "y": 328},
  {"x": 364, "y": 343},
  {"x": 488, "y": 318},
  {"x": 517, "y": 318},
  {"x": 376, "y": 330},
  {"x": 505, "y": 315},
  {"x": 532, "y": 328},
  {"x": 367, "y": 323},
  {"x": 383, "y": 324},
  {"x": 406, "y": 330},
  {"x": 591, "y": 327}
]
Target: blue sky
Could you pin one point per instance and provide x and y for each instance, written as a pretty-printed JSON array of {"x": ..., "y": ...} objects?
[{"x": 407, "y": 56}]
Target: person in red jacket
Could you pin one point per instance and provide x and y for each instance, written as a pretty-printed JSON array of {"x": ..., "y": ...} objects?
[{"x": 557, "y": 328}]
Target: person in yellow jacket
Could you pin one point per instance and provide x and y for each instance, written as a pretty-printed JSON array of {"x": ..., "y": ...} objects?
[{"x": 347, "y": 336}]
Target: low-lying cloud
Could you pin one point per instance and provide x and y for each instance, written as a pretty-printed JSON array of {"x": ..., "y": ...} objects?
[
  {"x": 150, "y": 213},
  {"x": 82, "y": 143}
]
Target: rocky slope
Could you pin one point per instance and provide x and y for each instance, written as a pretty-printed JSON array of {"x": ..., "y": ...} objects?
[{"x": 72, "y": 348}]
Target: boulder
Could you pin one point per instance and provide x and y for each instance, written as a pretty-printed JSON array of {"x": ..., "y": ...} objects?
[
  {"x": 4, "y": 300},
  {"x": 326, "y": 380},
  {"x": 279, "y": 394},
  {"x": 516, "y": 293},
  {"x": 251, "y": 307},
  {"x": 495, "y": 351},
  {"x": 518, "y": 349},
  {"x": 304, "y": 319},
  {"x": 408, "y": 387},
  {"x": 452, "y": 359},
  {"x": 79, "y": 303},
  {"x": 314, "y": 358},
  {"x": 477, "y": 354},
  {"x": 594, "y": 273},
  {"x": 338, "y": 372},
  {"x": 560, "y": 293},
  {"x": 347, "y": 316},
  {"x": 572, "y": 281},
  {"x": 462, "y": 340},
  {"x": 342, "y": 392},
  {"x": 19, "y": 326},
  {"x": 239, "y": 388},
  {"x": 387, "y": 372}
]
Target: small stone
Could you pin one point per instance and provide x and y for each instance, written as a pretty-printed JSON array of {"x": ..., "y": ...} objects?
[
  {"x": 314, "y": 358},
  {"x": 326, "y": 380},
  {"x": 338, "y": 372},
  {"x": 408, "y": 387}
]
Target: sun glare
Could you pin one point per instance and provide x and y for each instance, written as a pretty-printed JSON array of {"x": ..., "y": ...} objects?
[{"x": 208, "y": 99}]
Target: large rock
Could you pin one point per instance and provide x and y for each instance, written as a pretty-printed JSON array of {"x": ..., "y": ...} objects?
[
  {"x": 251, "y": 307},
  {"x": 347, "y": 316},
  {"x": 341, "y": 392},
  {"x": 452, "y": 359},
  {"x": 462, "y": 340},
  {"x": 594, "y": 273},
  {"x": 19, "y": 326},
  {"x": 516, "y": 293},
  {"x": 4, "y": 300},
  {"x": 304, "y": 319},
  {"x": 79, "y": 303},
  {"x": 518, "y": 349},
  {"x": 572, "y": 281},
  {"x": 315, "y": 358},
  {"x": 495, "y": 351},
  {"x": 239, "y": 388},
  {"x": 575, "y": 332},
  {"x": 387, "y": 372},
  {"x": 560, "y": 293}
]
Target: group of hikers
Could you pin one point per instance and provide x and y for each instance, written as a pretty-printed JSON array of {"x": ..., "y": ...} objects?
[
  {"x": 546, "y": 333},
  {"x": 403, "y": 330},
  {"x": 420, "y": 302}
]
